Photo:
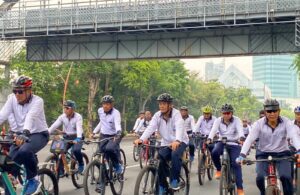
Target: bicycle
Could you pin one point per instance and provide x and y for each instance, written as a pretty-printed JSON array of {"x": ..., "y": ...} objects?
[
  {"x": 273, "y": 183},
  {"x": 205, "y": 164},
  {"x": 136, "y": 150},
  {"x": 63, "y": 158},
  {"x": 147, "y": 153},
  {"x": 100, "y": 172},
  {"x": 49, "y": 186},
  {"x": 227, "y": 180},
  {"x": 149, "y": 184}
]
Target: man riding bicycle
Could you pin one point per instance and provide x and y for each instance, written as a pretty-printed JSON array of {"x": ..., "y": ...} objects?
[
  {"x": 109, "y": 127},
  {"x": 31, "y": 132},
  {"x": 143, "y": 124},
  {"x": 189, "y": 125},
  {"x": 169, "y": 123},
  {"x": 138, "y": 121},
  {"x": 228, "y": 126},
  {"x": 272, "y": 131},
  {"x": 72, "y": 127}
]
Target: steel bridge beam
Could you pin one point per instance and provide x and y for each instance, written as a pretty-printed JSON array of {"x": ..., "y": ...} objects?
[{"x": 234, "y": 41}]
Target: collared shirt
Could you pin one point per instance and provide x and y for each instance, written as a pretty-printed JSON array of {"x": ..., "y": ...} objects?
[
  {"x": 137, "y": 123},
  {"x": 13, "y": 124},
  {"x": 71, "y": 126},
  {"x": 233, "y": 131},
  {"x": 29, "y": 116},
  {"x": 204, "y": 126},
  {"x": 272, "y": 140},
  {"x": 110, "y": 123},
  {"x": 246, "y": 129},
  {"x": 142, "y": 126},
  {"x": 189, "y": 123},
  {"x": 170, "y": 130}
]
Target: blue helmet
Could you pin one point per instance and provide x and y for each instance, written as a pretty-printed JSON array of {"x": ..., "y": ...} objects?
[
  {"x": 70, "y": 104},
  {"x": 297, "y": 109}
]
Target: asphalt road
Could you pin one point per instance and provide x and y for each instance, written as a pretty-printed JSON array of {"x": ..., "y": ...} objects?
[{"x": 209, "y": 188}]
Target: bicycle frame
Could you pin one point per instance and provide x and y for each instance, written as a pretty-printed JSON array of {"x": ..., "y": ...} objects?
[{"x": 272, "y": 177}]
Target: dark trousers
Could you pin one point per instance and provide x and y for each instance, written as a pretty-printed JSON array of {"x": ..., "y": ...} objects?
[
  {"x": 26, "y": 153},
  {"x": 192, "y": 147},
  {"x": 76, "y": 148},
  {"x": 166, "y": 154},
  {"x": 283, "y": 167},
  {"x": 111, "y": 148},
  {"x": 234, "y": 152}
]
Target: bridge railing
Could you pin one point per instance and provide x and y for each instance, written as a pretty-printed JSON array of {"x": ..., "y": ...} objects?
[
  {"x": 42, "y": 15},
  {"x": 9, "y": 48}
]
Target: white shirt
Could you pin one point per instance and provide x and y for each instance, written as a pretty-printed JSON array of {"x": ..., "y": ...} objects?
[
  {"x": 142, "y": 126},
  {"x": 233, "y": 131},
  {"x": 71, "y": 126},
  {"x": 272, "y": 140},
  {"x": 204, "y": 126},
  {"x": 110, "y": 123},
  {"x": 29, "y": 116},
  {"x": 246, "y": 129},
  {"x": 137, "y": 123},
  {"x": 170, "y": 130},
  {"x": 189, "y": 123}
]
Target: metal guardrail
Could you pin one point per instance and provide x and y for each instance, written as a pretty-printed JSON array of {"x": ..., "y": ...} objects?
[
  {"x": 48, "y": 15},
  {"x": 9, "y": 48}
]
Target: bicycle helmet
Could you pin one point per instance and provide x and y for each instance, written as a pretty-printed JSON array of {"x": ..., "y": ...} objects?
[
  {"x": 165, "y": 97},
  {"x": 70, "y": 104},
  {"x": 108, "y": 99},
  {"x": 207, "y": 109},
  {"x": 184, "y": 108},
  {"x": 227, "y": 108},
  {"x": 271, "y": 104},
  {"x": 22, "y": 82},
  {"x": 297, "y": 109}
]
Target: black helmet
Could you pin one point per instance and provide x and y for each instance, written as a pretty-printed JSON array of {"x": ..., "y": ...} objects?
[
  {"x": 70, "y": 104},
  {"x": 22, "y": 82},
  {"x": 227, "y": 108},
  {"x": 184, "y": 108},
  {"x": 108, "y": 99},
  {"x": 165, "y": 97},
  {"x": 271, "y": 104}
]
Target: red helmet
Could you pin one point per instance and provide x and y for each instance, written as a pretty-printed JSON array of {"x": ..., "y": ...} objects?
[{"x": 22, "y": 82}]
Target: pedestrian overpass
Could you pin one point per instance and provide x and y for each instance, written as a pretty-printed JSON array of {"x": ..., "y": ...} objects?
[{"x": 143, "y": 29}]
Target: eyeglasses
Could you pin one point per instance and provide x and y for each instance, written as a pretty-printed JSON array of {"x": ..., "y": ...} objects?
[
  {"x": 226, "y": 113},
  {"x": 18, "y": 91},
  {"x": 270, "y": 111}
]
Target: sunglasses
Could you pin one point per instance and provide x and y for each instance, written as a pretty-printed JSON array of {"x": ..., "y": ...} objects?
[
  {"x": 270, "y": 111},
  {"x": 18, "y": 91},
  {"x": 226, "y": 113}
]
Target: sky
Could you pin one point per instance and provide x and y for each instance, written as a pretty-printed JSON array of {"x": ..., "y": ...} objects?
[{"x": 242, "y": 63}]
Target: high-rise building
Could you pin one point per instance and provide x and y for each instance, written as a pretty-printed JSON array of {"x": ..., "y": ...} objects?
[
  {"x": 214, "y": 70},
  {"x": 275, "y": 71}
]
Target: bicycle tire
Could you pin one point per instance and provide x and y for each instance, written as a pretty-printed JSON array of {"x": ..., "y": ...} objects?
[
  {"x": 74, "y": 166},
  {"x": 210, "y": 166},
  {"x": 201, "y": 169},
  {"x": 123, "y": 160},
  {"x": 153, "y": 187},
  {"x": 45, "y": 191},
  {"x": 115, "y": 178},
  {"x": 51, "y": 163},
  {"x": 93, "y": 171},
  {"x": 135, "y": 153},
  {"x": 223, "y": 187},
  {"x": 272, "y": 190},
  {"x": 185, "y": 179}
]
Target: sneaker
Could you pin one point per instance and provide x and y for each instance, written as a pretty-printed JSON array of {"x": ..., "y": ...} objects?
[
  {"x": 80, "y": 168},
  {"x": 33, "y": 186},
  {"x": 99, "y": 188},
  {"x": 192, "y": 158},
  {"x": 119, "y": 169},
  {"x": 161, "y": 190},
  {"x": 218, "y": 175},
  {"x": 240, "y": 191},
  {"x": 174, "y": 184}
]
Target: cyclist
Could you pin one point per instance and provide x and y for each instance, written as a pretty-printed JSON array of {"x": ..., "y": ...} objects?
[
  {"x": 32, "y": 129},
  {"x": 246, "y": 127},
  {"x": 169, "y": 124},
  {"x": 189, "y": 125},
  {"x": 205, "y": 123},
  {"x": 138, "y": 120},
  {"x": 110, "y": 126},
  {"x": 272, "y": 131},
  {"x": 228, "y": 126},
  {"x": 72, "y": 126},
  {"x": 143, "y": 124}
]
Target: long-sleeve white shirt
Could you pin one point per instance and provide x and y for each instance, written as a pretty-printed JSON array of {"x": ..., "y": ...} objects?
[
  {"x": 272, "y": 140},
  {"x": 29, "y": 116},
  {"x": 189, "y": 123},
  {"x": 142, "y": 126},
  {"x": 137, "y": 124},
  {"x": 247, "y": 129},
  {"x": 71, "y": 126},
  {"x": 170, "y": 130},
  {"x": 233, "y": 131},
  {"x": 110, "y": 123},
  {"x": 204, "y": 126}
]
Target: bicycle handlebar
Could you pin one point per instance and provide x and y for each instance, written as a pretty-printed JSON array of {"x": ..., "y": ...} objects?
[{"x": 269, "y": 159}]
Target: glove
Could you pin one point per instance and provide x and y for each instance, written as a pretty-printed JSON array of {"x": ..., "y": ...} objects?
[
  {"x": 78, "y": 139},
  {"x": 26, "y": 132},
  {"x": 118, "y": 135},
  {"x": 240, "y": 159}
]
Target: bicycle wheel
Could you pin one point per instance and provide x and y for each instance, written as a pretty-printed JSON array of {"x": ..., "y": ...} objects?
[
  {"x": 49, "y": 182},
  {"x": 92, "y": 177},
  {"x": 135, "y": 153},
  {"x": 77, "y": 178},
  {"x": 224, "y": 181},
  {"x": 146, "y": 181},
  {"x": 144, "y": 156},
  {"x": 272, "y": 190},
  {"x": 123, "y": 159},
  {"x": 201, "y": 169},
  {"x": 210, "y": 166},
  {"x": 51, "y": 163},
  {"x": 116, "y": 180},
  {"x": 184, "y": 181}
]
